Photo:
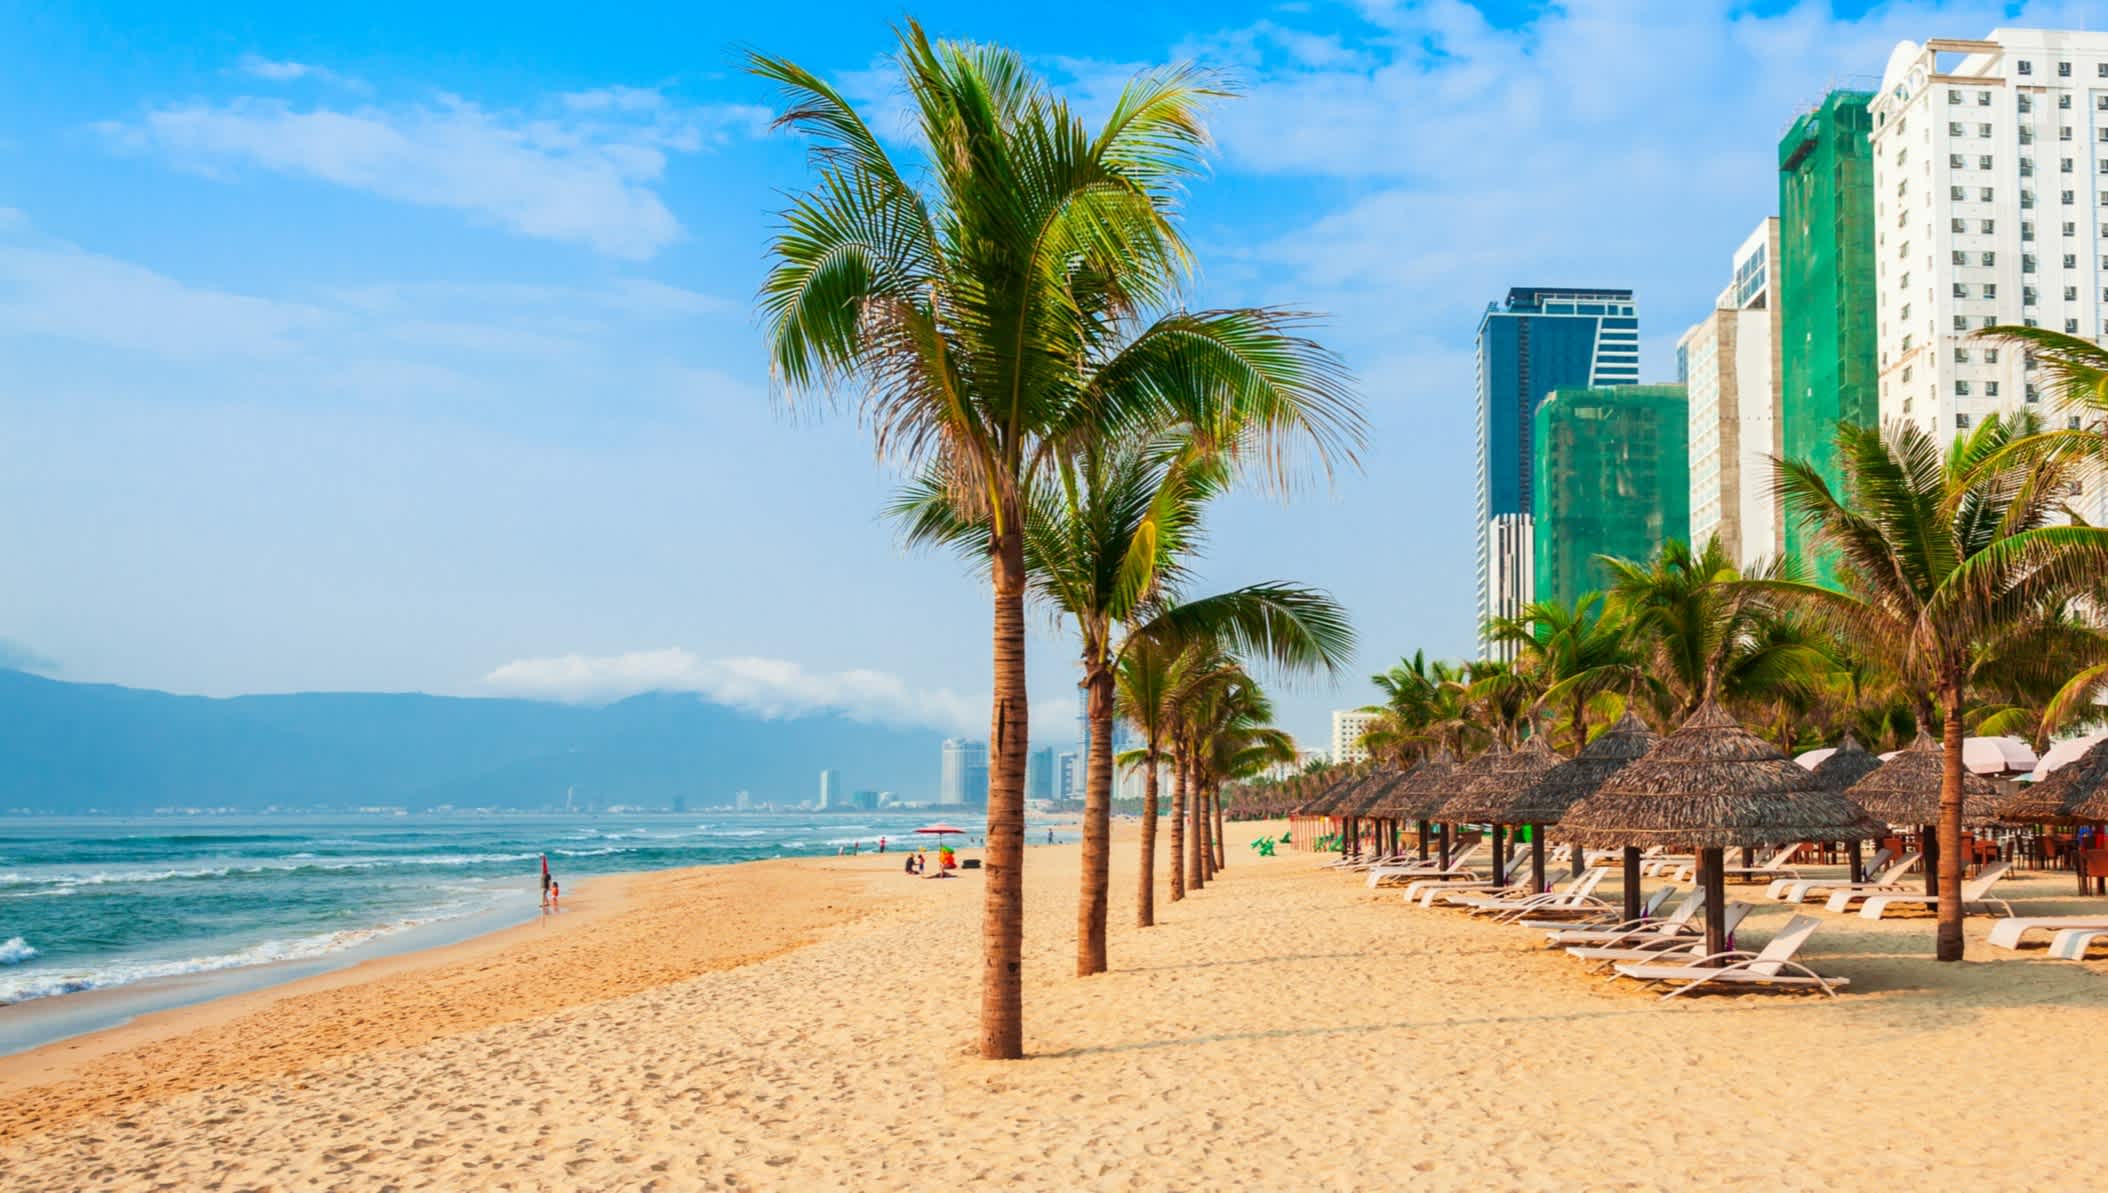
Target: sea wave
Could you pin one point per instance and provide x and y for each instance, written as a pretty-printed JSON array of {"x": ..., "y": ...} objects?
[{"x": 15, "y": 950}]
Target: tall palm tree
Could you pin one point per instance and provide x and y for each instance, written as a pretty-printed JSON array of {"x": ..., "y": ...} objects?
[
  {"x": 1942, "y": 561},
  {"x": 1420, "y": 697},
  {"x": 1151, "y": 679},
  {"x": 1006, "y": 296},
  {"x": 1107, "y": 541}
]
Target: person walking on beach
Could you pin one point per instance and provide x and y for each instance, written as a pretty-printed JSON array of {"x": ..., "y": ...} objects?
[
  {"x": 545, "y": 880},
  {"x": 881, "y": 844}
]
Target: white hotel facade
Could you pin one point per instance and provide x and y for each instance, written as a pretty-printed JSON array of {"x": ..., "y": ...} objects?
[
  {"x": 1991, "y": 207},
  {"x": 1729, "y": 364}
]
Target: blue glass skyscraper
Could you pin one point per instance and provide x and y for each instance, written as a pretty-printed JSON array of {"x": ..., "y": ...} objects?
[{"x": 1541, "y": 339}]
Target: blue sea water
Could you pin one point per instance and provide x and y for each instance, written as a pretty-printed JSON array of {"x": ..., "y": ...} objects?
[{"x": 97, "y": 903}]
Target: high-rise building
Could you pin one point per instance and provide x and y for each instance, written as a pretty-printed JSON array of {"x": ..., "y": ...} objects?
[
  {"x": 963, "y": 780},
  {"x": 864, "y": 801},
  {"x": 741, "y": 801},
  {"x": 1728, "y": 364},
  {"x": 1348, "y": 724},
  {"x": 1612, "y": 478},
  {"x": 1825, "y": 279},
  {"x": 1541, "y": 339},
  {"x": 1991, "y": 207},
  {"x": 830, "y": 790},
  {"x": 1068, "y": 775},
  {"x": 1039, "y": 774}
]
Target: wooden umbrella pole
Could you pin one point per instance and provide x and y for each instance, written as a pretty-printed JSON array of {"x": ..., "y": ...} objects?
[
  {"x": 1712, "y": 866},
  {"x": 1500, "y": 861},
  {"x": 1856, "y": 855},
  {"x": 1444, "y": 842},
  {"x": 1536, "y": 858},
  {"x": 1931, "y": 840},
  {"x": 1632, "y": 882},
  {"x": 1425, "y": 828}
]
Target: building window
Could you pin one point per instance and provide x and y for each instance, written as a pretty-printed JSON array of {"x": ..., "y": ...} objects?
[
  {"x": 1961, "y": 389},
  {"x": 2101, "y": 69},
  {"x": 2064, "y": 70},
  {"x": 2064, "y": 165},
  {"x": 1954, "y": 97},
  {"x": 2070, "y": 229},
  {"x": 2032, "y": 394},
  {"x": 1983, "y": 130},
  {"x": 1983, "y": 162},
  {"x": 1961, "y": 289},
  {"x": 2071, "y": 260},
  {"x": 2026, "y": 68},
  {"x": 1961, "y": 323},
  {"x": 2064, "y": 133},
  {"x": 2027, "y": 199},
  {"x": 2064, "y": 103},
  {"x": 1990, "y": 356},
  {"x": 1954, "y": 128},
  {"x": 1960, "y": 257},
  {"x": 1955, "y": 161},
  {"x": 1990, "y": 289},
  {"x": 1983, "y": 99},
  {"x": 2027, "y": 262},
  {"x": 2069, "y": 198},
  {"x": 1990, "y": 259},
  {"x": 2071, "y": 294},
  {"x": 2071, "y": 422},
  {"x": 1955, "y": 193},
  {"x": 2027, "y": 296},
  {"x": 2027, "y": 135},
  {"x": 2027, "y": 167},
  {"x": 2100, "y": 103},
  {"x": 1961, "y": 422},
  {"x": 1990, "y": 389},
  {"x": 1961, "y": 356},
  {"x": 2071, "y": 327},
  {"x": 1906, "y": 374}
]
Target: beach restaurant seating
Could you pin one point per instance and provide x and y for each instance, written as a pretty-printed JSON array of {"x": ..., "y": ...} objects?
[
  {"x": 1973, "y": 895},
  {"x": 1773, "y": 968},
  {"x": 1797, "y": 890},
  {"x": 1679, "y": 944},
  {"x": 2011, "y": 932}
]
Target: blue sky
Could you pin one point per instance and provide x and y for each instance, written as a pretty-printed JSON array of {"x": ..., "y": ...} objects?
[{"x": 412, "y": 347}]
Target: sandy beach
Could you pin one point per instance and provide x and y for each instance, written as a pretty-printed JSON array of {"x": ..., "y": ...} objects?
[{"x": 807, "y": 1023}]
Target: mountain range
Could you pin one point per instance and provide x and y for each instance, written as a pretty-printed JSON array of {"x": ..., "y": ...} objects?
[{"x": 67, "y": 747}]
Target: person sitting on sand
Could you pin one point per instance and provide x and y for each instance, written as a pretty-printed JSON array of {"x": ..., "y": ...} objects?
[{"x": 908, "y": 867}]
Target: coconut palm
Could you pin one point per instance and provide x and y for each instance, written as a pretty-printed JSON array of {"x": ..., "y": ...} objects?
[
  {"x": 1420, "y": 695},
  {"x": 1107, "y": 542},
  {"x": 998, "y": 301},
  {"x": 1576, "y": 652},
  {"x": 1942, "y": 563}
]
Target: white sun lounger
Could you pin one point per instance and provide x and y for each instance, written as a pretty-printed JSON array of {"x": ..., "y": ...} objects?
[
  {"x": 1561, "y": 935},
  {"x": 1578, "y": 899},
  {"x": 1431, "y": 867},
  {"x": 2070, "y": 944},
  {"x": 1772, "y": 969},
  {"x": 1520, "y": 890},
  {"x": 1613, "y": 920},
  {"x": 1774, "y": 865},
  {"x": 1675, "y": 943},
  {"x": 1798, "y": 890},
  {"x": 1973, "y": 894},
  {"x": 2010, "y": 933}
]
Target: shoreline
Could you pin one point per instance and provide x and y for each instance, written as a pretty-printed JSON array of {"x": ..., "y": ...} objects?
[{"x": 405, "y": 998}]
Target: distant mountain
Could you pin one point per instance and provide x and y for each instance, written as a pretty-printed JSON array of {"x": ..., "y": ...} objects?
[{"x": 68, "y": 747}]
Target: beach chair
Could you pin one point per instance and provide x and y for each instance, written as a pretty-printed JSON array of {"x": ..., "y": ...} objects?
[
  {"x": 1414, "y": 868},
  {"x": 1562, "y": 935},
  {"x": 2070, "y": 944},
  {"x": 1797, "y": 890},
  {"x": 1774, "y": 968},
  {"x": 1973, "y": 894},
  {"x": 1775, "y": 865},
  {"x": 2009, "y": 933},
  {"x": 1519, "y": 887},
  {"x": 1679, "y": 943},
  {"x": 1576, "y": 901},
  {"x": 1614, "y": 918}
]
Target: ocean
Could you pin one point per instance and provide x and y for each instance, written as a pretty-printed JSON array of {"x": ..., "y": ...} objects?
[{"x": 96, "y": 904}]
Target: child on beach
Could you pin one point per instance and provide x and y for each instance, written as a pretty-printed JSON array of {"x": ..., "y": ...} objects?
[{"x": 556, "y": 895}]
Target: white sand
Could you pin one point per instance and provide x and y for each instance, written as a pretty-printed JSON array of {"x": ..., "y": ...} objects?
[{"x": 1284, "y": 1029}]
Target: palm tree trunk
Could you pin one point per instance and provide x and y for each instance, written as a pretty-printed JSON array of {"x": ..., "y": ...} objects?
[
  {"x": 1091, "y": 908},
  {"x": 1003, "y": 861},
  {"x": 1196, "y": 877},
  {"x": 1178, "y": 823},
  {"x": 1215, "y": 802},
  {"x": 1950, "y": 836},
  {"x": 1145, "y": 892}
]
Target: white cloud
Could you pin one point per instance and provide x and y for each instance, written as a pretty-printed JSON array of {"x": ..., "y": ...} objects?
[
  {"x": 586, "y": 171},
  {"x": 769, "y": 687},
  {"x": 281, "y": 71}
]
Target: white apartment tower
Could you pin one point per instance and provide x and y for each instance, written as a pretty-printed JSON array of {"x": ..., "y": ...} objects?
[
  {"x": 1729, "y": 364},
  {"x": 1991, "y": 207},
  {"x": 1347, "y": 727}
]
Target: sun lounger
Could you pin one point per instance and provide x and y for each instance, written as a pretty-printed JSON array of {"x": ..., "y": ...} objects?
[
  {"x": 1561, "y": 935},
  {"x": 1771, "y": 969},
  {"x": 1514, "y": 894},
  {"x": 2070, "y": 944},
  {"x": 1429, "y": 868},
  {"x": 1677, "y": 943},
  {"x": 1775, "y": 865},
  {"x": 1797, "y": 890},
  {"x": 1578, "y": 900},
  {"x": 1610, "y": 919},
  {"x": 2010, "y": 933},
  {"x": 1973, "y": 895}
]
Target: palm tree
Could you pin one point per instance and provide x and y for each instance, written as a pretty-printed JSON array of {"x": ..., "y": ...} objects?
[
  {"x": 1003, "y": 299},
  {"x": 1943, "y": 561},
  {"x": 1420, "y": 695},
  {"x": 1150, "y": 683},
  {"x": 1221, "y": 719},
  {"x": 1576, "y": 652},
  {"x": 1107, "y": 540}
]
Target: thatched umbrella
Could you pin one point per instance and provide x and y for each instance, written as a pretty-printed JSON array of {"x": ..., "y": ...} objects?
[
  {"x": 1848, "y": 764},
  {"x": 2076, "y": 791},
  {"x": 1710, "y": 785},
  {"x": 1328, "y": 798},
  {"x": 1375, "y": 798},
  {"x": 1494, "y": 796},
  {"x": 1423, "y": 789},
  {"x": 1354, "y": 802},
  {"x": 1453, "y": 784},
  {"x": 1546, "y": 801},
  {"x": 1905, "y": 790}
]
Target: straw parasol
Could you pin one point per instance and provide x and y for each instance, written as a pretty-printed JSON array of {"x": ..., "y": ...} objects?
[
  {"x": 1847, "y": 764},
  {"x": 1366, "y": 800},
  {"x": 1444, "y": 790},
  {"x": 2074, "y": 793},
  {"x": 1409, "y": 798},
  {"x": 1710, "y": 785},
  {"x": 1905, "y": 790},
  {"x": 1546, "y": 801},
  {"x": 1491, "y": 797}
]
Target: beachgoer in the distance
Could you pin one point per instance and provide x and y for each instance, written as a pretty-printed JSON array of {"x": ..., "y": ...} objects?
[
  {"x": 881, "y": 844},
  {"x": 556, "y": 895}
]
